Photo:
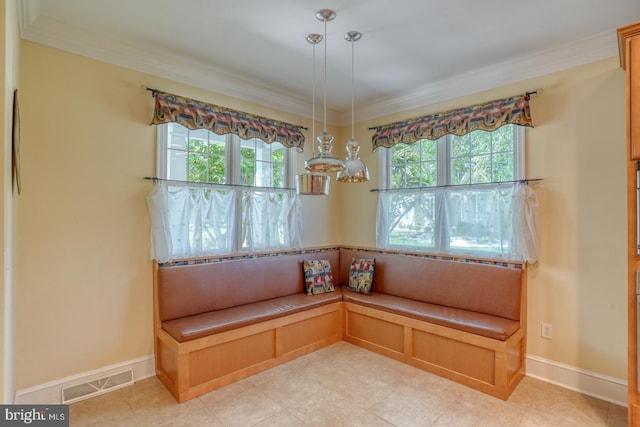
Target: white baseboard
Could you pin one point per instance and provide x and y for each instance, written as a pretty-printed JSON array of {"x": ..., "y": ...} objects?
[
  {"x": 51, "y": 392},
  {"x": 591, "y": 383}
]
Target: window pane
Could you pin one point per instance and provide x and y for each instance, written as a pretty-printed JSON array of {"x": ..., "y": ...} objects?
[
  {"x": 398, "y": 177},
  {"x": 398, "y": 154},
  {"x": 460, "y": 146},
  {"x": 198, "y": 166},
  {"x": 178, "y": 137},
  {"x": 412, "y": 153},
  {"x": 503, "y": 139},
  {"x": 480, "y": 142},
  {"x": 480, "y": 169},
  {"x": 412, "y": 217},
  {"x": 503, "y": 167},
  {"x": 413, "y": 175},
  {"x": 216, "y": 166},
  {"x": 262, "y": 164},
  {"x": 480, "y": 221},
  {"x": 429, "y": 174},
  {"x": 177, "y": 165},
  {"x": 414, "y": 165},
  {"x": 198, "y": 145},
  {"x": 460, "y": 173},
  {"x": 429, "y": 150}
]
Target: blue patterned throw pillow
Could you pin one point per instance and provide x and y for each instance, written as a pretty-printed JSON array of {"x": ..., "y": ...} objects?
[
  {"x": 317, "y": 276},
  {"x": 361, "y": 275}
]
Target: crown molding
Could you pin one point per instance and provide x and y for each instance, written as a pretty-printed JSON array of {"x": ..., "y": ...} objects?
[
  {"x": 46, "y": 31},
  {"x": 584, "y": 51},
  {"x": 43, "y": 30}
]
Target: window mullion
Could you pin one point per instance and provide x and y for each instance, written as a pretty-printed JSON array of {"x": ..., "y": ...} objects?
[
  {"x": 162, "y": 151},
  {"x": 444, "y": 160},
  {"x": 518, "y": 153},
  {"x": 232, "y": 159},
  {"x": 441, "y": 240}
]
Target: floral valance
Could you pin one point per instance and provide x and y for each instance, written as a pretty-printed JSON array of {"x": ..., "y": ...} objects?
[
  {"x": 195, "y": 114},
  {"x": 488, "y": 116}
]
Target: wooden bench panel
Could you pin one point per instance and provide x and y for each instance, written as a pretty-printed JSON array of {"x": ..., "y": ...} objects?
[
  {"x": 456, "y": 356},
  {"x": 491, "y": 366},
  {"x": 199, "y": 366},
  {"x": 214, "y": 362}
]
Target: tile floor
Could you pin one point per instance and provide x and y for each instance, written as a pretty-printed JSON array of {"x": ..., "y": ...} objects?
[{"x": 344, "y": 385}]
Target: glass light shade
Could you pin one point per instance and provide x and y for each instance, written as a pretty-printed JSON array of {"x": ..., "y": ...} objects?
[
  {"x": 355, "y": 169},
  {"x": 324, "y": 161},
  {"x": 312, "y": 184}
]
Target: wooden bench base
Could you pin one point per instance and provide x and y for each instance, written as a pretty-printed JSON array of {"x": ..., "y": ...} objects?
[
  {"x": 193, "y": 368},
  {"x": 485, "y": 364},
  {"x": 196, "y": 367}
]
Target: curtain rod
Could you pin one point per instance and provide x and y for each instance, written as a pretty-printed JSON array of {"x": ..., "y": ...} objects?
[
  {"x": 155, "y": 91},
  {"x": 520, "y": 181},
  {"x": 155, "y": 179},
  {"x": 527, "y": 94}
]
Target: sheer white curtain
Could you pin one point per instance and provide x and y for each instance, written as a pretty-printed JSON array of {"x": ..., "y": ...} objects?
[
  {"x": 497, "y": 221},
  {"x": 271, "y": 220},
  {"x": 190, "y": 221}
]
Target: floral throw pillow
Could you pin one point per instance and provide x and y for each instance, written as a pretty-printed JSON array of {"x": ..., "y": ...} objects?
[
  {"x": 317, "y": 276},
  {"x": 361, "y": 275}
]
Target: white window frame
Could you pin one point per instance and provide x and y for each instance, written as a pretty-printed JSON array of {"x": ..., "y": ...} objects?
[
  {"x": 444, "y": 179},
  {"x": 233, "y": 158},
  {"x": 444, "y": 158},
  {"x": 232, "y": 173}
]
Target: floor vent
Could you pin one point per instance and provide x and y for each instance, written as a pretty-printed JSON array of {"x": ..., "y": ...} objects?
[{"x": 96, "y": 387}]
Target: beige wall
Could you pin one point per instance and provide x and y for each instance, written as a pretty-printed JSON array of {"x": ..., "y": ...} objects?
[{"x": 83, "y": 275}]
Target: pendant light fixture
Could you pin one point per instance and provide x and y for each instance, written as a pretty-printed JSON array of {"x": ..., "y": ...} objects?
[
  {"x": 325, "y": 161},
  {"x": 313, "y": 183},
  {"x": 355, "y": 169}
]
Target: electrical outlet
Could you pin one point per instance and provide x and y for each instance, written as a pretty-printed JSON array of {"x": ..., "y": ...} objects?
[{"x": 547, "y": 331}]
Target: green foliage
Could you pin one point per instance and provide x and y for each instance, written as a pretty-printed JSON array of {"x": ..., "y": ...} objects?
[
  {"x": 206, "y": 161},
  {"x": 414, "y": 165},
  {"x": 261, "y": 164}
]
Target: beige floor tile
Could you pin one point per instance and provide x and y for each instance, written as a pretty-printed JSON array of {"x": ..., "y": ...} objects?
[
  {"x": 292, "y": 389},
  {"x": 203, "y": 417},
  {"x": 106, "y": 410},
  {"x": 245, "y": 409},
  {"x": 326, "y": 408},
  {"x": 474, "y": 408},
  {"x": 281, "y": 418},
  {"x": 224, "y": 393},
  {"x": 344, "y": 385}
]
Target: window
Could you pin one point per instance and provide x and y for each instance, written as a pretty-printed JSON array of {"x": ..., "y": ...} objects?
[
  {"x": 432, "y": 207},
  {"x": 225, "y": 194}
]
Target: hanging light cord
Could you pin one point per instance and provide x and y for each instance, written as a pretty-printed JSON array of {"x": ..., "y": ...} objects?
[
  {"x": 353, "y": 133},
  {"x": 313, "y": 107},
  {"x": 325, "y": 74}
]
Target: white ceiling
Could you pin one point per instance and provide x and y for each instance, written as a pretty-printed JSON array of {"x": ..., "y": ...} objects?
[{"x": 412, "y": 52}]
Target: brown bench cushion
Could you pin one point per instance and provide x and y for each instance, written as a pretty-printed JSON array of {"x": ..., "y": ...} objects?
[
  {"x": 479, "y": 288},
  {"x": 213, "y": 322},
  {"x": 476, "y": 323},
  {"x": 194, "y": 289}
]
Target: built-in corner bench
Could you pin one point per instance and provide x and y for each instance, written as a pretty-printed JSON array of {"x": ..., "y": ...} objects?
[{"x": 221, "y": 320}]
